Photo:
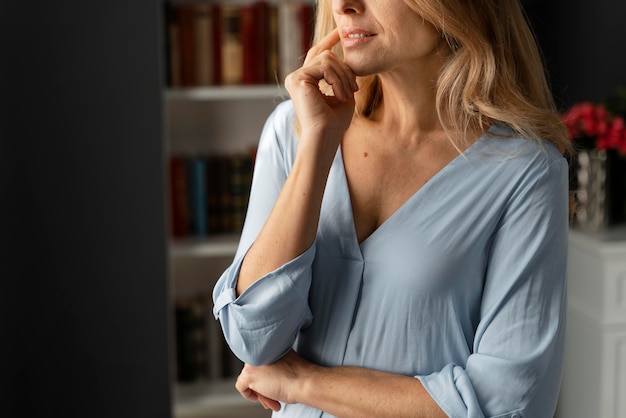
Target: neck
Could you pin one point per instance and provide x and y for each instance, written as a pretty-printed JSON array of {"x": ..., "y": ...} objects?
[
  {"x": 407, "y": 114},
  {"x": 408, "y": 100}
]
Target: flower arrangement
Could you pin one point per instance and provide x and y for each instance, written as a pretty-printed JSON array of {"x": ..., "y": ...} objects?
[
  {"x": 592, "y": 126},
  {"x": 598, "y": 168}
]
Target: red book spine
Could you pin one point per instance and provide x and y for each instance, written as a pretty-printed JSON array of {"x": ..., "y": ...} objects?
[
  {"x": 248, "y": 43},
  {"x": 306, "y": 22},
  {"x": 217, "y": 44},
  {"x": 261, "y": 45},
  {"x": 271, "y": 45},
  {"x": 187, "y": 44},
  {"x": 179, "y": 207}
]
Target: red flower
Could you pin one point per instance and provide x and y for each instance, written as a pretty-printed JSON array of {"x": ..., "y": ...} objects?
[{"x": 586, "y": 121}]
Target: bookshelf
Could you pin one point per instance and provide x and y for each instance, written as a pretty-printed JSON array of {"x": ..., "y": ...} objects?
[
  {"x": 210, "y": 116},
  {"x": 205, "y": 120}
]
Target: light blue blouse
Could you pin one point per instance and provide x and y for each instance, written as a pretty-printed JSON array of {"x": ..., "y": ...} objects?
[{"x": 463, "y": 287}]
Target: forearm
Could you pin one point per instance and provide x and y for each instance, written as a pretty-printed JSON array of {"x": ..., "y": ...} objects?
[
  {"x": 344, "y": 392},
  {"x": 292, "y": 225},
  {"x": 348, "y": 392}
]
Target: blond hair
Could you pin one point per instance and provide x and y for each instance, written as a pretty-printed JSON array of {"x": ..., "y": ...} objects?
[{"x": 494, "y": 72}]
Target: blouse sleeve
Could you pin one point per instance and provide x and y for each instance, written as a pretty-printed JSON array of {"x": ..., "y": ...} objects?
[
  {"x": 261, "y": 325},
  {"x": 517, "y": 355}
]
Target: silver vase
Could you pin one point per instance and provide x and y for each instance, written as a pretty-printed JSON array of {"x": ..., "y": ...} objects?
[
  {"x": 591, "y": 192},
  {"x": 600, "y": 189}
]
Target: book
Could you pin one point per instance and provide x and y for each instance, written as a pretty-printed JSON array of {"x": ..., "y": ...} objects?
[
  {"x": 231, "y": 44},
  {"x": 307, "y": 22},
  {"x": 216, "y": 345},
  {"x": 191, "y": 315},
  {"x": 201, "y": 351},
  {"x": 254, "y": 28},
  {"x": 209, "y": 194},
  {"x": 187, "y": 39},
  {"x": 289, "y": 38},
  {"x": 261, "y": 47},
  {"x": 227, "y": 43},
  {"x": 178, "y": 207},
  {"x": 197, "y": 196},
  {"x": 213, "y": 194},
  {"x": 239, "y": 188},
  {"x": 217, "y": 43},
  {"x": 225, "y": 202},
  {"x": 172, "y": 46},
  {"x": 203, "y": 43},
  {"x": 272, "y": 62},
  {"x": 250, "y": 54}
]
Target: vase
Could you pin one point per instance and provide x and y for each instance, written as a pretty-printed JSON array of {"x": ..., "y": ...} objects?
[{"x": 599, "y": 184}]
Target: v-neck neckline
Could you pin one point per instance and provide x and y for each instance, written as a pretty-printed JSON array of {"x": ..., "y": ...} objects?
[{"x": 344, "y": 178}]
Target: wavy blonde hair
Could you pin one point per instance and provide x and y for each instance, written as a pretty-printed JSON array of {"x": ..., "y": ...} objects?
[{"x": 494, "y": 72}]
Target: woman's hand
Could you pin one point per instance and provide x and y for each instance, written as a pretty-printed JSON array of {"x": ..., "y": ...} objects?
[
  {"x": 342, "y": 391},
  {"x": 275, "y": 382},
  {"x": 323, "y": 121},
  {"x": 316, "y": 111}
]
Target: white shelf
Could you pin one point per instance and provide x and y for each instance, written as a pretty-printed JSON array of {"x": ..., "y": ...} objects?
[
  {"x": 256, "y": 92},
  {"x": 217, "y": 246},
  {"x": 594, "y": 378}
]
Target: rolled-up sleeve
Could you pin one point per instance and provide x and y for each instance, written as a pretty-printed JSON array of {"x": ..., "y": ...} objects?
[
  {"x": 517, "y": 355},
  {"x": 261, "y": 325}
]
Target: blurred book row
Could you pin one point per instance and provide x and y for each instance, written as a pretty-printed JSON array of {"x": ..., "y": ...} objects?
[
  {"x": 231, "y": 43},
  {"x": 201, "y": 351},
  {"x": 208, "y": 194}
]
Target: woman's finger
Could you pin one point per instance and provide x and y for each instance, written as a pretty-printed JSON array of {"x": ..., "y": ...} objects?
[
  {"x": 269, "y": 403},
  {"x": 328, "y": 67},
  {"x": 242, "y": 387},
  {"x": 327, "y": 42},
  {"x": 249, "y": 394},
  {"x": 337, "y": 74},
  {"x": 344, "y": 73},
  {"x": 244, "y": 390}
]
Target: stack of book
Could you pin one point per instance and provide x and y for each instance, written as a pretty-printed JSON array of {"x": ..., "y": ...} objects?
[
  {"x": 208, "y": 194},
  {"x": 233, "y": 44},
  {"x": 201, "y": 350}
]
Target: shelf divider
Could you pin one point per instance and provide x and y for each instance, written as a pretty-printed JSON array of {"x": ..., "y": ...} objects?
[
  {"x": 212, "y": 246},
  {"x": 215, "y": 93}
]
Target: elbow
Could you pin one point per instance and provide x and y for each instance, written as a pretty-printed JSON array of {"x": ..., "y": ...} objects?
[{"x": 262, "y": 344}]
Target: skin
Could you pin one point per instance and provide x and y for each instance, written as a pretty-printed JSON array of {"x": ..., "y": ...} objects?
[{"x": 387, "y": 159}]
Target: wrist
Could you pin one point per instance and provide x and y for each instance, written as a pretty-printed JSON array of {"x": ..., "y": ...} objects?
[
  {"x": 310, "y": 380},
  {"x": 322, "y": 140}
]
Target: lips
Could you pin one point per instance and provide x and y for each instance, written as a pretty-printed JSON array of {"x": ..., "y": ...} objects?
[
  {"x": 353, "y": 33},
  {"x": 355, "y": 36}
]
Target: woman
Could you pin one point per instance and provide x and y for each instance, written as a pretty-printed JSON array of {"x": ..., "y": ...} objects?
[{"x": 405, "y": 245}]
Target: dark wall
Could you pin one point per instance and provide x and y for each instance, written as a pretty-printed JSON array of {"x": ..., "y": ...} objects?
[
  {"x": 583, "y": 43},
  {"x": 83, "y": 284}
]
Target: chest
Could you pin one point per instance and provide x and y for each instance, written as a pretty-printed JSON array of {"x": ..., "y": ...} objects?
[{"x": 381, "y": 179}]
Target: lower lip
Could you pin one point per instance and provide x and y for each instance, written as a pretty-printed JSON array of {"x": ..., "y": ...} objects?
[{"x": 351, "y": 42}]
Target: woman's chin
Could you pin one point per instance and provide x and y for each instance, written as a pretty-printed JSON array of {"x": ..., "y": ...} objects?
[
  {"x": 361, "y": 70},
  {"x": 360, "y": 67}
]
